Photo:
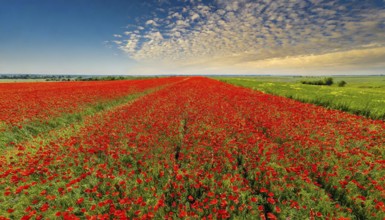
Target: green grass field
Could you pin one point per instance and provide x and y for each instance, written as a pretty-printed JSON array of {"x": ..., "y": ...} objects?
[{"x": 361, "y": 95}]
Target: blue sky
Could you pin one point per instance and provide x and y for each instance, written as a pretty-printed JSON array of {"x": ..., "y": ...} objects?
[{"x": 192, "y": 36}]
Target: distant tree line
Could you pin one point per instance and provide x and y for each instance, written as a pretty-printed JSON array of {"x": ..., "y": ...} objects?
[
  {"x": 69, "y": 77},
  {"x": 31, "y": 76},
  {"x": 37, "y": 76},
  {"x": 111, "y": 78},
  {"x": 102, "y": 78},
  {"x": 324, "y": 82},
  {"x": 321, "y": 82}
]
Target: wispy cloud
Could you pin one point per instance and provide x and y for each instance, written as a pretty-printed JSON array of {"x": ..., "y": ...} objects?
[{"x": 249, "y": 34}]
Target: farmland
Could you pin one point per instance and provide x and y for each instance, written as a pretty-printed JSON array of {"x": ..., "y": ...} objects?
[
  {"x": 30, "y": 109},
  {"x": 184, "y": 147},
  {"x": 362, "y": 95}
]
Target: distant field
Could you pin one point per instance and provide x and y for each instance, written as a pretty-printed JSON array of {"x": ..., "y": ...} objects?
[{"x": 361, "y": 95}]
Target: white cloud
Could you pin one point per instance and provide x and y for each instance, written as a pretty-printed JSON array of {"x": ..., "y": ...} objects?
[
  {"x": 151, "y": 22},
  {"x": 195, "y": 16},
  {"x": 155, "y": 36},
  {"x": 176, "y": 15},
  {"x": 118, "y": 42}
]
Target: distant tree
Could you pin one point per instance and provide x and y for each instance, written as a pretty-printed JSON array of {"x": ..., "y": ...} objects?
[
  {"x": 328, "y": 81},
  {"x": 342, "y": 83}
]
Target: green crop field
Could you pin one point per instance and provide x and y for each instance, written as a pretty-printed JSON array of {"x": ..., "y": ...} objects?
[{"x": 361, "y": 95}]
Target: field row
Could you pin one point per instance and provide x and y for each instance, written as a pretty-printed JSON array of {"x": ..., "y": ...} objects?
[{"x": 205, "y": 149}]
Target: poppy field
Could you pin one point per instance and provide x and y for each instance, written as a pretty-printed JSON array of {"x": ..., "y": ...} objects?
[{"x": 186, "y": 148}]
